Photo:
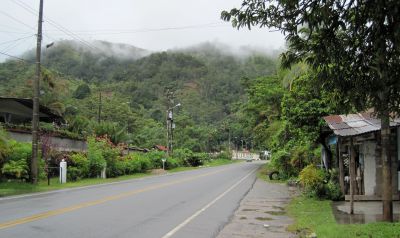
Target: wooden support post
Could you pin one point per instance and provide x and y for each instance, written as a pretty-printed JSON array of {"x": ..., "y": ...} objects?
[
  {"x": 352, "y": 174},
  {"x": 341, "y": 166}
]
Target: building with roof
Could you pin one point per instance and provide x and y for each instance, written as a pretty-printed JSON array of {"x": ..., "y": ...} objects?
[
  {"x": 360, "y": 133},
  {"x": 19, "y": 111}
]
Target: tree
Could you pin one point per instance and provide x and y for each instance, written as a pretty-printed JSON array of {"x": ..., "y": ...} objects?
[{"x": 352, "y": 44}]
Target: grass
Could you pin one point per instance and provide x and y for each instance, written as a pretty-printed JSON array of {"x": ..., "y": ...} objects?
[
  {"x": 263, "y": 172},
  {"x": 17, "y": 188},
  {"x": 313, "y": 215}
]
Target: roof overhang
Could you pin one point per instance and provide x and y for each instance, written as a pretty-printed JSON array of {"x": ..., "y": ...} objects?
[
  {"x": 356, "y": 124},
  {"x": 19, "y": 110}
]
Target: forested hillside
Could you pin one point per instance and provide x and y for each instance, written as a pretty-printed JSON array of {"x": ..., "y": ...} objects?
[{"x": 132, "y": 84}]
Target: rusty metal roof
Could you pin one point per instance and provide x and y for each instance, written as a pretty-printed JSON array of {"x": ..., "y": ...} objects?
[{"x": 356, "y": 124}]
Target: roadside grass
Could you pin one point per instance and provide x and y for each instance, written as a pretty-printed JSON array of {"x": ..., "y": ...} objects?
[
  {"x": 312, "y": 215},
  {"x": 18, "y": 188},
  {"x": 263, "y": 174}
]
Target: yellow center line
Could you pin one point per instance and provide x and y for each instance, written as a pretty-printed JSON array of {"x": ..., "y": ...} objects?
[{"x": 55, "y": 212}]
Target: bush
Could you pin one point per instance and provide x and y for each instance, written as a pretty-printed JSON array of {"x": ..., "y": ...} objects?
[
  {"x": 226, "y": 155},
  {"x": 145, "y": 164},
  {"x": 182, "y": 156},
  {"x": 17, "y": 162},
  {"x": 79, "y": 167},
  {"x": 156, "y": 158},
  {"x": 132, "y": 165},
  {"x": 312, "y": 179},
  {"x": 171, "y": 163},
  {"x": 96, "y": 160},
  {"x": 115, "y": 168},
  {"x": 333, "y": 191},
  {"x": 16, "y": 169}
]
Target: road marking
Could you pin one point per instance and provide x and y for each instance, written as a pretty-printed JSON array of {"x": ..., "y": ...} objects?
[
  {"x": 196, "y": 214},
  {"x": 97, "y": 202}
]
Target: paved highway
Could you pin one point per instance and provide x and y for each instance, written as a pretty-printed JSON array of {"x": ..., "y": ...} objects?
[{"x": 191, "y": 204}]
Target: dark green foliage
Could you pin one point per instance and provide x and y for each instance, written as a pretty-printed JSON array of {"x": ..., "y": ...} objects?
[
  {"x": 172, "y": 163},
  {"x": 156, "y": 158},
  {"x": 78, "y": 167},
  {"x": 17, "y": 162},
  {"x": 205, "y": 79},
  {"x": 96, "y": 159},
  {"x": 82, "y": 91}
]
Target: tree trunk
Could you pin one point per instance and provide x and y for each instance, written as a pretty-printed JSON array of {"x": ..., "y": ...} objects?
[{"x": 387, "y": 198}]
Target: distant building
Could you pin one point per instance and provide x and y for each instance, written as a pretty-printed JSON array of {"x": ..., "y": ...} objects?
[
  {"x": 160, "y": 148},
  {"x": 19, "y": 111}
]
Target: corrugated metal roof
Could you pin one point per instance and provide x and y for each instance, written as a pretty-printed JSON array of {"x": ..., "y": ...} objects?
[{"x": 356, "y": 124}]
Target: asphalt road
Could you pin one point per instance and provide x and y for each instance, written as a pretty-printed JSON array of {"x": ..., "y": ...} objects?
[{"x": 191, "y": 204}]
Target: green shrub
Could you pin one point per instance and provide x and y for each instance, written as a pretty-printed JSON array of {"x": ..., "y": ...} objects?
[
  {"x": 18, "y": 159},
  {"x": 333, "y": 191},
  {"x": 196, "y": 159},
  {"x": 73, "y": 173},
  {"x": 182, "y": 156},
  {"x": 115, "y": 168},
  {"x": 16, "y": 169},
  {"x": 156, "y": 158},
  {"x": 78, "y": 167},
  {"x": 280, "y": 161},
  {"x": 312, "y": 179},
  {"x": 171, "y": 163},
  {"x": 96, "y": 160},
  {"x": 145, "y": 164},
  {"x": 132, "y": 165},
  {"x": 224, "y": 155}
]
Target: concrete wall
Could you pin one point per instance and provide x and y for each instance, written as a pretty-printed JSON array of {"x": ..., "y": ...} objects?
[{"x": 57, "y": 143}]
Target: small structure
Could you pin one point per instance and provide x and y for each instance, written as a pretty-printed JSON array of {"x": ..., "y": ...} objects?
[
  {"x": 161, "y": 148},
  {"x": 358, "y": 154},
  {"x": 19, "y": 111}
]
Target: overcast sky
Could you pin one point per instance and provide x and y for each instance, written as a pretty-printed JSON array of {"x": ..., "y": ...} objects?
[{"x": 154, "y": 25}]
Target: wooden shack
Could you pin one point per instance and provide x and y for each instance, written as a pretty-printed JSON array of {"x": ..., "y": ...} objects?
[{"x": 358, "y": 154}]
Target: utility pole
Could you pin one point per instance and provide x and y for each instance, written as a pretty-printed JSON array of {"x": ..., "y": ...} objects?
[
  {"x": 35, "y": 112},
  {"x": 99, "y": 116},
  {"x": 170, "y": 101}
]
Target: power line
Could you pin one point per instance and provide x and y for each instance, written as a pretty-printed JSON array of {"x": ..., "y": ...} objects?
[
  {"x": 15, "y": 57},
  {"x": 56, "y": 25},
  {"x": 15, "y": 19},
  {"x": 5, "y": 42},
  {"x": 11, "y": 46}
]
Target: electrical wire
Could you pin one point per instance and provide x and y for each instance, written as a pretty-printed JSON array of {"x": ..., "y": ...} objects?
[
  {"x": 56, "y": 25},
  {"x": 15, "y": 44},
  {"x": 15, "y": 19},
  {"x": 15, "y": 57},
  {"x": 5, "y": 42}
]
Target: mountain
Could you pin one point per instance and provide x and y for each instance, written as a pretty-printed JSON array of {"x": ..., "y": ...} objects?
[{"x": 206, "y": 79}]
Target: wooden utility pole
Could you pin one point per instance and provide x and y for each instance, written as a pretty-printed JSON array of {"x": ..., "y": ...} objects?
[
  {"x": 35, "y": 112},
  {"x": 99, "y": 115}
]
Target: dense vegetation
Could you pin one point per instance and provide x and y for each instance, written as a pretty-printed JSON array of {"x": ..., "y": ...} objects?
[{"x": 131, "y": 92}]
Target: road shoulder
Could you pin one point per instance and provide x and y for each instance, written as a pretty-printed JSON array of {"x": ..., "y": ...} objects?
[{"x": 261, "y": 213}]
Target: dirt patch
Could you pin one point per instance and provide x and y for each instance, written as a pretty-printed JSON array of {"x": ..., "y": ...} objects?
[
  {"x": 276, "y": 213},
  {"x": 264, "y": 218},
  {"x": 158, "y": 171},
  {"x": 249, "y": 210}
]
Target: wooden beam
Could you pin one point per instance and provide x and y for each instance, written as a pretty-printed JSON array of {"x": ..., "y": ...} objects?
[
  {"x": 341, "y": 166},
  {"x": 352, "y": 169}
]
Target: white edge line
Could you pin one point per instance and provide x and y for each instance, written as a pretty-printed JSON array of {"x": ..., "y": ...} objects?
[{"x": 196, "y": 214}]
